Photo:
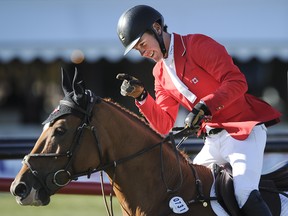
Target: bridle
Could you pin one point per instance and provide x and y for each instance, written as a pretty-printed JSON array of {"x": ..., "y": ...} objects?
[{"x": 52, "y": 180}]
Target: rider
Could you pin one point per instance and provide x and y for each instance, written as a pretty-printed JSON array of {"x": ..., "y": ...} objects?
[{"x": 197, "y": 72}]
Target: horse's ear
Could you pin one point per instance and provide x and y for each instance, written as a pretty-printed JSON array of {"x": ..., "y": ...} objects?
[
  {"x": 66, "y": 82},
  {"x": 78, "y": 87}
]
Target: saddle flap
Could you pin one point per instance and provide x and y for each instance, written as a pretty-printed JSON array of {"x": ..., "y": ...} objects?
[{"x": 224, "y": 189}]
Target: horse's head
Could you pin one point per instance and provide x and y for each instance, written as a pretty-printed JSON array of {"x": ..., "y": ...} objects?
[{"x": 51, "y": 163}]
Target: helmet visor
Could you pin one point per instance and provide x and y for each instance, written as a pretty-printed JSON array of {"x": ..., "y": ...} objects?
[{"x": 131, "y": 45}]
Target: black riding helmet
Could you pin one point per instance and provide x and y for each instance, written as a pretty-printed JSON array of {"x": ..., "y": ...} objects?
[{"x": 134, "y": 22}]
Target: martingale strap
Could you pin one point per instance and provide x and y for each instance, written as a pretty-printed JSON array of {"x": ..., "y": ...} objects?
[{"x": 169, "y": 190}]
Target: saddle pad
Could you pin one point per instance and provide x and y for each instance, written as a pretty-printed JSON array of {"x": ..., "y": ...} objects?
[
  {"x": 284, "y": 205},
  {"x": 217, "y": 208}
]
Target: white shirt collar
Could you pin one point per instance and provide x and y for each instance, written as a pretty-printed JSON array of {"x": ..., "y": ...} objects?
[{"x": 170, "y": 57}]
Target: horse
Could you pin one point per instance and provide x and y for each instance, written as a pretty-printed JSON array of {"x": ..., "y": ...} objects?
[{"x": 148, "y": 174}]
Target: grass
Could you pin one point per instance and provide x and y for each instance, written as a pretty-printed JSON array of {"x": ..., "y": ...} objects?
[{"x": 60, "y": 205}]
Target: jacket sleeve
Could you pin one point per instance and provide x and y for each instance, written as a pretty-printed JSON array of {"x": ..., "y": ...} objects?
[
  {"x": 214, "y": 59},
  {"x": 160, "y": 113}
]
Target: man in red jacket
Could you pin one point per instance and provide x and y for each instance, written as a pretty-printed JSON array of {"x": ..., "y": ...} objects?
[{"x": 198, "y": 73}]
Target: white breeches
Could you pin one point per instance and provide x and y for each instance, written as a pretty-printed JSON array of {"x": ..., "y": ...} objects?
[{"x": 245, "y": 157}]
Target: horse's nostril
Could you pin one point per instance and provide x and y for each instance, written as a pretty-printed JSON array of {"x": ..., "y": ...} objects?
[{"x": 21, "y": 190}]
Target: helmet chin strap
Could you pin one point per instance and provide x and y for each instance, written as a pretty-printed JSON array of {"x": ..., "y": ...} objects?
[{"x": 159, "y": 38}]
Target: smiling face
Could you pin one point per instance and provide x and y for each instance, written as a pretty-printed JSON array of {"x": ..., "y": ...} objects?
[{"x": 148, "y": 45}]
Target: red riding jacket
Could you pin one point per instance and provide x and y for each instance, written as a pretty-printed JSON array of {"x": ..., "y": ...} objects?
[{"x": 206, "y": 68}]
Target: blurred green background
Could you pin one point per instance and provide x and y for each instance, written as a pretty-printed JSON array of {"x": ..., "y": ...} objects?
[{"x": 60, "y": 205}]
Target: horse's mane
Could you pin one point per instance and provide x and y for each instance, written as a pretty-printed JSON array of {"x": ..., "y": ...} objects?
[
  {"x": 129, "y": 113},
  {"x": 142, "y": 121}
]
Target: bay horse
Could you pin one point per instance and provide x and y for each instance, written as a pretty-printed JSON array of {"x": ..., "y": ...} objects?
[{"x": 149, "y": 176}]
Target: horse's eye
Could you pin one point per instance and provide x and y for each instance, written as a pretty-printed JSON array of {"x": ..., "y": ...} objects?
[{"x": 60, "y": 131}]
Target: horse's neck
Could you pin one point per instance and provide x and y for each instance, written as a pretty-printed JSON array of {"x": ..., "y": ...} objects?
[
  {"x": 128, "y": 134},
  {"x": 140, "y": 176},
  {"x": 136, "y": 179}
]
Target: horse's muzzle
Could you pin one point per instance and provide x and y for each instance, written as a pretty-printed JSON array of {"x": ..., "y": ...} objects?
[{"x": 26, "y": 195}]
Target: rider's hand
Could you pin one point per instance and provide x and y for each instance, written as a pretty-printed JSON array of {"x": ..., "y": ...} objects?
[
  {"x": 194, "y": 118},
  {"x": 132, "y": 87}
]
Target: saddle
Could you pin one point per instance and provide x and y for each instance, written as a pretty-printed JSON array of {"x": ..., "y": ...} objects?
[{"x": 270, "y": 186}]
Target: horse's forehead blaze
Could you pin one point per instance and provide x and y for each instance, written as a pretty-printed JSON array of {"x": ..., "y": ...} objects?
[
  {"x": 40, "y": 143},
  {"x": 44, "y": 141}
]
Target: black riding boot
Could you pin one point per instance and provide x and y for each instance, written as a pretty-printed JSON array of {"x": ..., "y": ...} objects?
[{"x": 255, "y": 205}]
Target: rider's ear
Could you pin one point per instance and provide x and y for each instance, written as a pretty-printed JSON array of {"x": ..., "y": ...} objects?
[{"x": 157, "y": 28}]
